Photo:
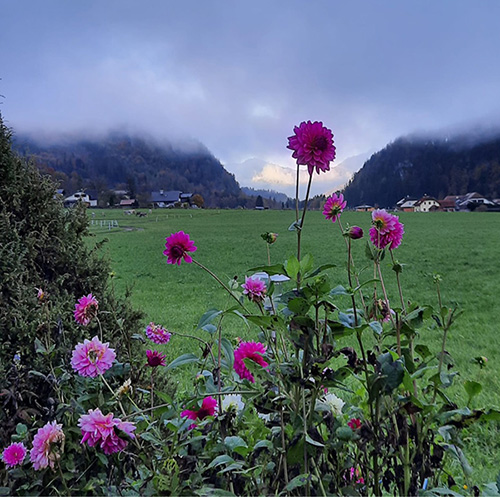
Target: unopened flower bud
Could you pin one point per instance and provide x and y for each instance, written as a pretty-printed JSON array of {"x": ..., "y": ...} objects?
[{"x": 355, "y": 233}]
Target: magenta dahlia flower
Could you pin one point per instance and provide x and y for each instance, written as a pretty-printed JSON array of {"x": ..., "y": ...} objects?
[
  {"x": 101, "y": 430},
  {"x": 354, "y": 424},
  {"x": 312, "y": 146},
  {"x": 177, "y": 247},
  {"x": 43, "y": 453},
  {"x": 92, "y": 357},
  {"x": 157, "y": 334},
  {"x": 387, "y": 230},
  {"x": 86, "y": 309},
  {"x": 208, "y": 408},
  {"x": 14, "y": 454},
  {"x": 252, "y": 351},
  {"x": 334, "y": 206},
  {"x": 155, "y": 358},
  {"x": 255, "y": 289}
]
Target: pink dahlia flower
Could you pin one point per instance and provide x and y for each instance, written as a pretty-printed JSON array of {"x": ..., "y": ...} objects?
[
  {"x": 255, "y": 289},
  {"x": 42, "y": 454},
  {"x": 312, "y": 146},
  {"x": 92, "y": 357},
  {"x": 98, "y": 429},
  {"x": 252, "y": 351},
  {"x": 155, "y": 358},
  {"x": 14, "y": 454},
  {"x": 334, "y": 207},
  {"x": 157, "y": 334},
  {"x": 177, "y": 247},
  {"x": 387, "y": 230},
  {"x": 208, "y": 408},
  {"x": 86, "y": 309}
]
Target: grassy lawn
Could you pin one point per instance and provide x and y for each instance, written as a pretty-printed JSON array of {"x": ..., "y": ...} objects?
[{"x": 462, "y": 247}]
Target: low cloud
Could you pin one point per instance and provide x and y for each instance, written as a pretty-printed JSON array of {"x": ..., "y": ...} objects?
[{"x": 275, "y": 175}]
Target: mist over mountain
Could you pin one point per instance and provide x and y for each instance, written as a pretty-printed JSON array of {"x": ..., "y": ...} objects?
[
  {"x": 438, "y": 165},
  {"x": 133, "y": 163}
]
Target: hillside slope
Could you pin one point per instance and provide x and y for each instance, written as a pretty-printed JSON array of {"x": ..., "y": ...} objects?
[
  {"x": 416, "y": 166},
  {"x": 136, "y": 164}
]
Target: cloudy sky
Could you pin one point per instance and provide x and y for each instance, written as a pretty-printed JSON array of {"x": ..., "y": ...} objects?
[{"x": 238, "y": 75}]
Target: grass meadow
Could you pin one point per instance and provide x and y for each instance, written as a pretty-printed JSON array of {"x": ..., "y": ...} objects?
[{"x": 462, "y": 247}]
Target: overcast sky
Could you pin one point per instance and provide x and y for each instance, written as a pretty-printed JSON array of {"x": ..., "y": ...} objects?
[{"x": 238, "y": 75}]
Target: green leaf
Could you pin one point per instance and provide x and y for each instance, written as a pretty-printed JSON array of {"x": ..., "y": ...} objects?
[
  {"x": 339, "y": 290},
  {"x": 219, "y": 460},
  {"x": 298, "y": 481},
  {"x": 318, "y": 270},
  {"x": 263, "y": 444},
  {"x": 213, "y": 492},
  {"x": 472, "y": 388},
  {"x": 208, "y": 317},
  {"x": 344, "y": 433},
  {"x": 102, "y": 457},
  {"x": 232, "y": 467},
  {"x": 21, "y": 429},
  {"x": 311, "y": 441},
  {"x": 270, "y": 270},
  {"x": 489, "y": 490},
  {"x": 376, "y": 327},
  {"x": 227, "y": 349},
  {"x": 299, "y": 306},
  {"x": 269, "y": 322},
  {"x": 292, "y": 267},
  {"x": 236, "y": 444},
  {"x": 40, "y": 347},
  {"x": 458, "y": 453},
  {"x": 306, "y": 263},
  {"x": 182, "y": 360}
]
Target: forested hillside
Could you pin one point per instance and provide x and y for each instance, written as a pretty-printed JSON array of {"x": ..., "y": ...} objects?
[
  {"x": 134, "y": 164},
  {"x": 438, "y": 167}
]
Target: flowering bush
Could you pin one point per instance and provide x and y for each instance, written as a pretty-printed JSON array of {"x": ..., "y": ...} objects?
[{"x": 325, "y": 400}]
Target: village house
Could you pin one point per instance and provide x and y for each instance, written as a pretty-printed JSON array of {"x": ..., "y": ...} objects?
[
  {"x": 426, "y": 204},
  {"x": 80, "y": 197},
  {"x": 471, "y": 201},
  {"x": 168, "y": 199},
  {"x": 449, "y": 203},
  {"x": 364, "y": 208},
  {"x": 406, "y": 204}
]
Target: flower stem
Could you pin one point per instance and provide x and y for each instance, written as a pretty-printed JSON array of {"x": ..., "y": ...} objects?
[
  {"x": 216, "y": 278},
  {"x": 300, "y": 226}
]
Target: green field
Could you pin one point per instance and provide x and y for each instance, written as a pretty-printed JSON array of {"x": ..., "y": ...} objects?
[{"x": 462, "y": 247}]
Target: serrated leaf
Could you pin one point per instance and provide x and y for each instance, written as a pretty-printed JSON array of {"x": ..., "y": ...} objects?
[
  {"x": 319, "y": 270},
  {"x": 292, "y": 267},
  {"x": 227, "y": 349},
  {"x": 102, "y": 457},
  {"x": 376, "y": 327},
  {"x": 235, "y": 442},
  {"x": 472, "y": 388},
  {"x": 339, "y": 290},
  {"x": 263, "y": 444}
]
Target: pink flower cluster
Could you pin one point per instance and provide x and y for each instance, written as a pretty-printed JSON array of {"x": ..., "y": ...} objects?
[
  {"x": 43, "y": 453},
  {"x": 157, "y": 334},
  {"x": 255, "y": 289},
  {"x": 252, "y": 351},
  {"x": 92, "y": 357},
  {"x": 177, "y": 247},
  {"x": 387, "y": 230},
  {"x": 98, "y": 429},
  {"x": 86, "y": 309},
  {"x": 334, "y": 206},
  {"x": 312, "y": 146},
  {"x": 14, "y": 454}
]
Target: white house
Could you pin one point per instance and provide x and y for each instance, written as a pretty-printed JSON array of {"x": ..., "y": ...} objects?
[
  {"x": 426, "y": 204},
  {"x": 79, "y": 197}
]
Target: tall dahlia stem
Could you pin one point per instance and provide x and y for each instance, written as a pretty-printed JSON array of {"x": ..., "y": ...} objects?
[
  {"x": 351, "y": 261},
  {"x": 399, "y": 284},
  {"x": 350, "y": 281},
  {"x": 223, "y": 285},
  {"x": 297, "y": 194},
  {"x": 300, "y": 226}
]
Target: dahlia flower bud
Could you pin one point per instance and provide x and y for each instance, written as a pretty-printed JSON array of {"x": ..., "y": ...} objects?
[{"x": 354, "y": 233}]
